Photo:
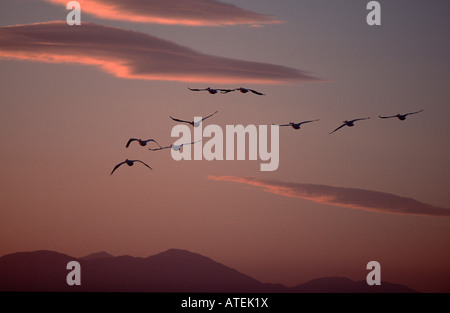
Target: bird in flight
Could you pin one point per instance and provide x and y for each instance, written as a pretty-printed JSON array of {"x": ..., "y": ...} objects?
[
  {"x": 129, "y": 163},
  {"x": 296, "y": 125},
  {"x": 401, "y": 117},
  {"x": 174, "y": 147},
  {"x": 350, "y": 123},
  {"x": 243, "y": 90},
  {"x": 141, "y": 142},
  {"x": 193, "y": 123},
  {"x": 210, "y": 90}
]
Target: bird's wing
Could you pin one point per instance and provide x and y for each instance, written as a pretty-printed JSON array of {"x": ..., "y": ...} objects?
[
  {"x": 283, "y": 124},
  {"x": 194, "y": 89},
  {"x": 161, "y": 148},
  {"x": 226, "y": 90},
  {"x": 191, "y": 143},
  {"x": 360, "y": 119},
  {"x": 209, "y": 116},
  {"x": 130, "y": 141},
  {"x": 178, "y": 120},
  {"x": 387, "y": 116},
  {"x": 117, "y": 166},
  {"x": 338, "y": 128},
  {"x": 143, "y": 163},
  {"x": 153, "y": 141},
  {"x": 308, "y": 121},
  {"x": 256, "y": 92},
  {"x": 413, "y": 112}
]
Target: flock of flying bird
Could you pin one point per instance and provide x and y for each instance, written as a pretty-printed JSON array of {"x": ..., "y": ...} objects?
[
  {"x": 214, "y": 91},
  {"x": 141, "y": 142}
]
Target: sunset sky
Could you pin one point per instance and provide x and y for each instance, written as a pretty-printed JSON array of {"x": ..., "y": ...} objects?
[{"x": 72, "y": 96}]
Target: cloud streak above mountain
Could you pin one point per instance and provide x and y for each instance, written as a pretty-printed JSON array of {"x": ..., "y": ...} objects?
[
  {"x": 174, "y": 12},
  {"x": 134, "y": 55},
  {"x": 352, "y": 198}
]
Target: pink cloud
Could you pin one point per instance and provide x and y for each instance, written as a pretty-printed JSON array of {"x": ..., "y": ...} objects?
[
  {"x": 352, "y": 198},
  {"x": 133, "y": 55},
  {"x": 172, "y": 12}
]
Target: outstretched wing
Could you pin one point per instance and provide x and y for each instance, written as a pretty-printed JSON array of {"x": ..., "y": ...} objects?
[
  {"x": 387, "y": 116},
  {"x": 194, "y": 89},
  {"x": 117, "y": 166},
  {"x": 308, "y": 122},
  {"x": 360, "y": 119},
  {"x": 130, "y": 141},
  {"x": 226, "y": 90},
  {"x": 143, "y": 163},
  {"x": 282, "y": 124},
  {"x": 338, "y": 128},
  {"x": 191, "y": 143},
  {"x": 153, "y": 141},
  {"x": 257, "y": 92},
  {"x": 161, "y": 148},
  {"x": 209, "y": 116},
  {"x": 413, "y": 112},
  {"x": 178, "y": 120}
]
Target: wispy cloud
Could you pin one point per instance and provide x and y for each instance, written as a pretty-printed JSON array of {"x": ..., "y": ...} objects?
[
  {"x": 172, "y": 12},
  {"x": 135, "y": 55},
  {"x": 353, "y": 198}
]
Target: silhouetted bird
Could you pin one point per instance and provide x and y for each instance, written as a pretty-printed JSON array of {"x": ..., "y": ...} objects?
[
  {"x": 243, "y": 90},
  {"x": 174, "y": 147},
  {"x": 193, "y": 123},
  {"x": 210, "y": 90},
  {"x": 141, "y": 142},
  {"x": 296, "y": 125},
  {"x": 129, "y": 163},
  {"x": 401, "y": 117},
  {"x": 350, "y": 123}
]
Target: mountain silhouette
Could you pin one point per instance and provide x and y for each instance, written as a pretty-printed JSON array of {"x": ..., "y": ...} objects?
[
  {"x": 172, "y": 271},
  {"x": 34, "y": 271},
  {"x": 97, "y": 255},
  {"x": 345, "y": 285}
]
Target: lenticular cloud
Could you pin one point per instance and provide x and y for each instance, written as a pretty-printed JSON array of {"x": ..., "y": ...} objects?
[
  {"x": 133, "y": 55},
  {"x": 172, "y": 12},
  {"x": 353, "y": 198}
]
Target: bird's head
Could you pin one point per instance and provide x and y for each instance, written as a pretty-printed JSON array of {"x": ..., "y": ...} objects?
[{"x": 177, "y": 148}]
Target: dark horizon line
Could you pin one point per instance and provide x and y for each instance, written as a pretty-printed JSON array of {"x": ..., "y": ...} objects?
[{"x": 277, "y": 287}]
